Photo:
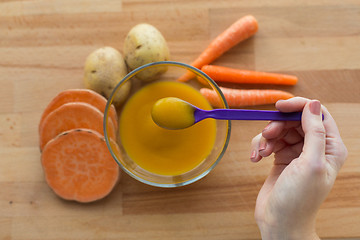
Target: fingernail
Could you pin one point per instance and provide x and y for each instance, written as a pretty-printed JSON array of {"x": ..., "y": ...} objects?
[
  {"x": 253, "y": 155},
  {"x": 315, "y": 107},
  {"x": 262, "y": 146}
]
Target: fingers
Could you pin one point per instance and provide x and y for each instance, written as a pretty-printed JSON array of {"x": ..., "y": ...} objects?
[
  {"x": 273, "y": 129},
  {"x": 330, "y": 124},
  {"x": 276, "y": 129},
  {"x": 255, "y": 145},
  {"x": 333, "y": 138},
  {"x": 295, "y": 104},
  {"x": 314, "y": 140},
  {"x": 261, "y": 147},
  {"x": 274, "y": 139},
  {"x": 314, "y": 137},
  {"x": 285, "y": 156},
  {"x": 266, "y": 147}
]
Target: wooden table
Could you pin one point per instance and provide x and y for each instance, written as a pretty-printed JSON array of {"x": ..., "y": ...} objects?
[{"x": 43, "y": 45}]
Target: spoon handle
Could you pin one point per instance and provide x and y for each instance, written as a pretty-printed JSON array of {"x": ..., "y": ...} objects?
[{"x": 243, "y": 114}]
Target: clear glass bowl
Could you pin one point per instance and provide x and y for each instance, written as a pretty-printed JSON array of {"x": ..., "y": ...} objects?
[{"x": 173, "y": 71}]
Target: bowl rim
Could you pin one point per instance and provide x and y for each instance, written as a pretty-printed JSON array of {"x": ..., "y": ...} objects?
[{"x": 196, "y": 71}]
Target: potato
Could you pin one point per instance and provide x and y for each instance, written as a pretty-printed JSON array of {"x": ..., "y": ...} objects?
[
  {"x": 145, "y": 44},
  {"x": 104, "y": 68}
]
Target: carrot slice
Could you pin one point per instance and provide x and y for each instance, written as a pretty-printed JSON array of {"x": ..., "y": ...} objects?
[
  {"x": 80, "y": 95},
  {"x": 70, "y": 116},
  {"x": 78, "y": 166}
]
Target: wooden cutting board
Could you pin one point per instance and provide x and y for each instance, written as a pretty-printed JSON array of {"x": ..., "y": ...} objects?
[{"x": 43, "y": 45}]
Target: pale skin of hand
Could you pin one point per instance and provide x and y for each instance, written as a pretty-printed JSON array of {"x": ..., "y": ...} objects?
[{"x": 308, "y": 156}]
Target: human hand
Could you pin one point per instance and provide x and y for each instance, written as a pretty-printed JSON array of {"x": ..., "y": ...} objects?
[{"x": 308, "y": 156}]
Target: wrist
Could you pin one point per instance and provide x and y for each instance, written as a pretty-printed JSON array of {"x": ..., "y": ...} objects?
[
  {"x": 286, "y": 235},
  {"x": 269, "y": 232}
]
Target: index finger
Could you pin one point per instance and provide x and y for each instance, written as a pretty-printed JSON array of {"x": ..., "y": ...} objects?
[{"x": 295, "y": 104}]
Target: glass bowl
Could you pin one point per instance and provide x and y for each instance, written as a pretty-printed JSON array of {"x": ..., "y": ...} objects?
[{"x": 167, "y": 71}]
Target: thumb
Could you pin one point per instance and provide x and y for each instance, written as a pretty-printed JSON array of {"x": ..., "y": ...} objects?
[{"x": 315, "y": 135}]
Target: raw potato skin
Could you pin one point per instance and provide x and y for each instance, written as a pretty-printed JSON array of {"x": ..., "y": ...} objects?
[
  {"x": 145, "y": 44},
  {"x": 104, "y": 68}
]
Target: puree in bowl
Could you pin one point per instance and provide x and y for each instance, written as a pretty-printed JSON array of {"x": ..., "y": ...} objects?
[{"x": 158, "y": 150}]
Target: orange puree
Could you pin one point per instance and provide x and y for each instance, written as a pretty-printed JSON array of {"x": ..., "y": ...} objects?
[
  {"x": 173, "y": 113},
  {"x": 158, "y": 150}
]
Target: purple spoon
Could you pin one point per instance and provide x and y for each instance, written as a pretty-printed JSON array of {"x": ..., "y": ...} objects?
[
  {"x": 242, "y": 114},
  {"x": 174, "y": 113}
]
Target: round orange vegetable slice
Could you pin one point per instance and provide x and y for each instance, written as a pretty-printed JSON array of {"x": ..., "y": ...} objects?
[
  {"x": 80, "y": 95},
  {"x": 70, "y": 116},
  {"x": 78, "y": 166}
]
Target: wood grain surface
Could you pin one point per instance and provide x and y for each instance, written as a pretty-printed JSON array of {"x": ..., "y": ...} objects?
[{"x": 43, "y": 46}]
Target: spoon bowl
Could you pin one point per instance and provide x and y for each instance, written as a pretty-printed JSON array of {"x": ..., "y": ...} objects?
[{"x": 173, "y": 113}]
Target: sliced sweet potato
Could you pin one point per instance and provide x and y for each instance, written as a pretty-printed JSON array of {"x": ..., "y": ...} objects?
[
  {"x": 78, "y": 165},
  {"x": 70, "y": 116},
  {"x": 80, "y": 95}
]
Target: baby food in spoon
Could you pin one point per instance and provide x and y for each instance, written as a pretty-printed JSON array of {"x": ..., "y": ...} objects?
[{"x": 173, "y": 113}]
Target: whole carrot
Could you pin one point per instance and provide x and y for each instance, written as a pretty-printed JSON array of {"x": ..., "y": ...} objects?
[
  {"x": 224, "y": 74},
  {"x": 242, "y": 29},
  {"x": 241, "y": 98}
]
